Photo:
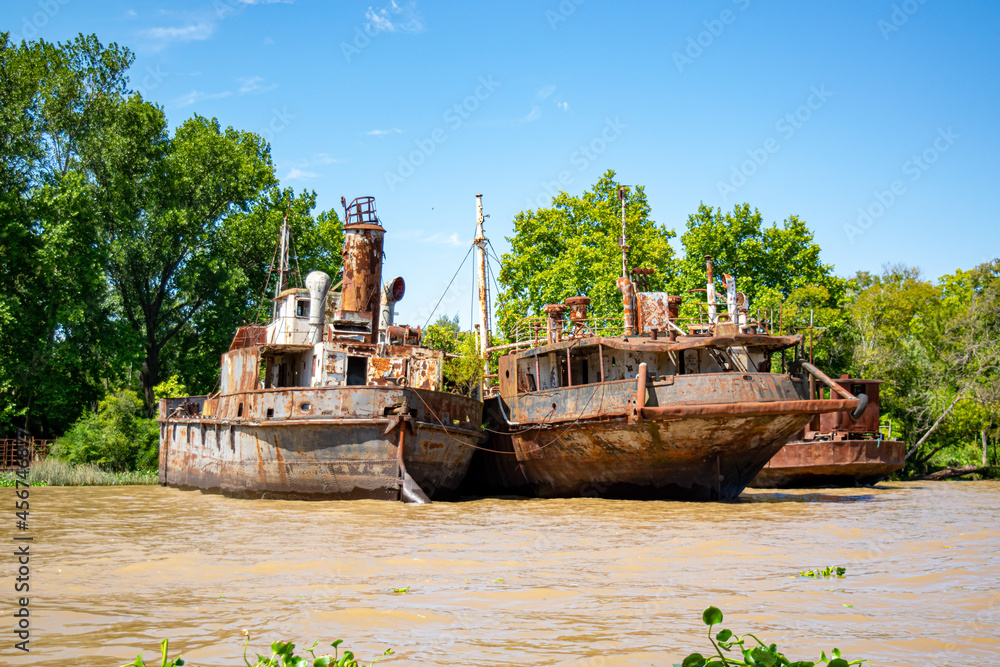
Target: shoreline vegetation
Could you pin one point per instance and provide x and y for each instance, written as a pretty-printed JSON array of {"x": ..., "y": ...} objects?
[{"x": 53, "y": 472}]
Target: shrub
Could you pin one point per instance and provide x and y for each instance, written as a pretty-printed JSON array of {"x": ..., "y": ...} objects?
[{"x": 116, "y": 437}]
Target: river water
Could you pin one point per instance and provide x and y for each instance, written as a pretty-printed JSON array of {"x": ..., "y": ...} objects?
[{"x": 513, "y": 582}]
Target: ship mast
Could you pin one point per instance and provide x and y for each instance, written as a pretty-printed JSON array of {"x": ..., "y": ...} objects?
[
  {"x": 484, "y": 334},
  {"x": 283, "y": 268},
  {"x": 622, "y": 242}
]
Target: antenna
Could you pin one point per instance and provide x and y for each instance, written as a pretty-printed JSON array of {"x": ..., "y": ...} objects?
[{"x": 622, "y": 191}]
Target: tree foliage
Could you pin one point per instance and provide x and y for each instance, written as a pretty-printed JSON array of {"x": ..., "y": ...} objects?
[
  {"x": 127, "y": 252},
  {"x": 571, "y": 248}
]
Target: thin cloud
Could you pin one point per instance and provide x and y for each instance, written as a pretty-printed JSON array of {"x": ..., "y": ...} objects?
[
  {"x": 382, "y": 133},
  {"x": 564, "y": 106},
  {"x": 255, "y": 85},
  {"x": 395, "y": 17},
  {"x": 193, "y": 32},
  {"x": 546, "y": 91},
  {"x": 325, "y": 158},
  {"x": 197, "y": 96},
  {"x": 299, "y": 174},
  {"x": 535, "y": 114}
]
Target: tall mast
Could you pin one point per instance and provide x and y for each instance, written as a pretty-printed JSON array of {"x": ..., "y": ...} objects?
[
  {"x": 283, "y": 267},
  {"x": 623, "y": 242},
  {"x": 480, "y": 243}
]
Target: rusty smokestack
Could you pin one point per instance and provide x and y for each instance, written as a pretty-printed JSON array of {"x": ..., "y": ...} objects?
[
  {"x": 554, "y": 325},
  {"x": 363, "y": 238}
]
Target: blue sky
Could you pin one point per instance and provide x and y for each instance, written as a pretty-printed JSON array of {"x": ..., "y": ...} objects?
[{"x": 874, "y": 121}]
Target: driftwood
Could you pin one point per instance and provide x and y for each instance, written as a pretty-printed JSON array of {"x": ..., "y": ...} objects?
[{"x": 949, "y": 473}]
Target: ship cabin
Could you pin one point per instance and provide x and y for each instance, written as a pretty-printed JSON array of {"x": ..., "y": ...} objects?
[
  {"x": 570, "y": 370},
  {"x": 323, "y": 338}
]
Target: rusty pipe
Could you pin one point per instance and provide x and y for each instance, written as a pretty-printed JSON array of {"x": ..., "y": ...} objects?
[
  {"x": 628, "y": 301},
  {"x": 640, "y": 392},
  {"x": 749, "y": 408},
  {"x": 862, "y": 399}
]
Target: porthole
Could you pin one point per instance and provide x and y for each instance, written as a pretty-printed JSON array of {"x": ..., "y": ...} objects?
[{"x": 305, "y": 407}]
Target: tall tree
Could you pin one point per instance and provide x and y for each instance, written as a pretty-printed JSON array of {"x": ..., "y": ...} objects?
[
  {"x": 571, "y": 248},
  {"x": 163, "y": 203},
  {"x": 777, "y": 266},
  {"x": 56, "y": 339}
]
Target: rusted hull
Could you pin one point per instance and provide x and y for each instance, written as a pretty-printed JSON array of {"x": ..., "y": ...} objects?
[
  {"x": 696, "y": 437},
  {"x": 700, "y": 458},
  {"x": 831, "y": 463},
  {"x": 330, "y": 453}
]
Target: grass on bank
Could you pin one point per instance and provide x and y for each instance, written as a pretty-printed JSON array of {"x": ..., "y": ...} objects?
[{"x": 53, "y": 472}]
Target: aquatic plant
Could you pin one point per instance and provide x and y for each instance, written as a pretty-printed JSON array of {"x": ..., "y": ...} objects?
[
  {"x": 282, "y": 655},
  {"x": 399, "y": 591},
  {"x": 753, "y": 653},
  {"x": 825, "y": 572}
]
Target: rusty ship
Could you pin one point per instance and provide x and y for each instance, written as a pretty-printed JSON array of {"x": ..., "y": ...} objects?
[
  {"x": 834, "y": 450},
  {"x": 329, "y": 399},
  {"x": 649, "y": 409}
]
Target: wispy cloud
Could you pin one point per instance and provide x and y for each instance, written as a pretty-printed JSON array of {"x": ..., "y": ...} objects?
[
  {"x": 563, "y": 105},
  {"x": 533, "y": 115},
  {"x": 192, "y": 32},
  {"x": 395, "y": 17},
  {"x": 546, "y": 92},
  {"x": 382, "y": 133},
  {"x": 325, "y": 158},
  {"x": 197, "y": 96},
  {"x": 299, "y": 174},
  {"x": 255, "y": 85}
]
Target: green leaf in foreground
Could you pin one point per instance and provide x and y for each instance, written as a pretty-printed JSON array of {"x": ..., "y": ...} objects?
[{"x": 743, "y": 650}]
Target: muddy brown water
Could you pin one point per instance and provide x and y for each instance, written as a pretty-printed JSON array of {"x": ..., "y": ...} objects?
[{"x": 512, "y": 582}]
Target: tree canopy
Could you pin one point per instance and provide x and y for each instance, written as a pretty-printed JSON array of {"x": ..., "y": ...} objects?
[
  {"x": 571, "y": 248},
  {"x": 128, "y": 252}
]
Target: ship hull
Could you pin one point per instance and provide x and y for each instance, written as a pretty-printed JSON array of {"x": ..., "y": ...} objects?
[
  {"x": 696, "y": 438},
  {"x": 346, "y": 445},
  {"x": 689, "y": 459},
  {"x": 832, "y": 463}
]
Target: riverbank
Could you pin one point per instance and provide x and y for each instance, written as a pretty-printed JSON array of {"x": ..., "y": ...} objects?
[{"x": 53, "y": 472}]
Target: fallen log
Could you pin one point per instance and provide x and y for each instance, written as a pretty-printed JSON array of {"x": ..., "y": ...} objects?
[{"x": 949, "y": 473}]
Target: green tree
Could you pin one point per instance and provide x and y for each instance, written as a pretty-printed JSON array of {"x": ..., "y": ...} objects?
[
  {"x": 777, "y": 266},
  {"x": 57, "y": 341},
  {"x": 571, "y": 248},
  {"x": 463, "y": 367}
]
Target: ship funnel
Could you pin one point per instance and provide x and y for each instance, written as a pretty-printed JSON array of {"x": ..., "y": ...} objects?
[
  {"x": 318, "y": 284},
  {"x": 363, "y": 238}
]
